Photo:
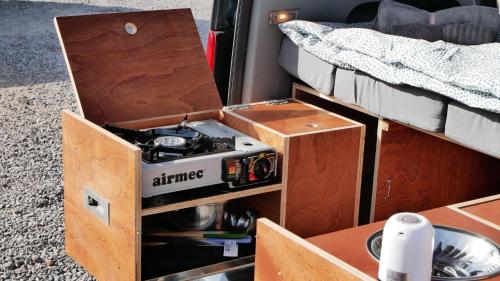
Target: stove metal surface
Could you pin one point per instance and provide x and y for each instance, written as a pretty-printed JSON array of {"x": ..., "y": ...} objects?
[{"x": 192, "y": 154}]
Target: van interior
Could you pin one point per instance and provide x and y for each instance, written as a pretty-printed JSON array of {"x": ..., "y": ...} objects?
[{"x": 373, "y": 115}]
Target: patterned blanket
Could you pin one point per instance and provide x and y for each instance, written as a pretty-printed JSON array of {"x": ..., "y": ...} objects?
[{"x": 468, "y": 74}]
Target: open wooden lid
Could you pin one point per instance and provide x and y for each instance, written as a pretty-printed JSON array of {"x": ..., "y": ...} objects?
[{"x": 137, "y": 65}]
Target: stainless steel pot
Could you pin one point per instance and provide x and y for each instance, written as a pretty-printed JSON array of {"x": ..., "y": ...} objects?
[{"x": 205, "y": 217}]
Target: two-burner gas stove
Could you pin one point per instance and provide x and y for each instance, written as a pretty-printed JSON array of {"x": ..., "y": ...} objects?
[{"x": 197, "y": 154}]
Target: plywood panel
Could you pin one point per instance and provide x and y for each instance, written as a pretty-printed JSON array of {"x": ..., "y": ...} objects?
[
  {"x": 252, "y": 192},
  {"x": 323, "y": 181},
  {"x": 350, "y": 244},
  {"x": 110, "y": 167},
  {"x": 425, "y": 172},
  {"x": 370, "y": 150},
  {"x": 281, "y": 255},
  {"x": 267, "y": 205},
  {"x": 158, "y": 71},
  {"x": 293, "y": 118}
]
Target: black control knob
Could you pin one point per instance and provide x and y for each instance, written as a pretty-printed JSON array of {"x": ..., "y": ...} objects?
[{"x": 262, "y": 168}]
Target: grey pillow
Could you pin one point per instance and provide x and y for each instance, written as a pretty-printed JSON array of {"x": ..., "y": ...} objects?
[
  {"x": 392, "y": 13},
  {"x": 463, "y": 34},
  {"x": 467, "y": 34},
  {"x": 418, "y": 31}
]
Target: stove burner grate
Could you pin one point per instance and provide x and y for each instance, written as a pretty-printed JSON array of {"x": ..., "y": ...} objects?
[{"x": 171, "y": 143}]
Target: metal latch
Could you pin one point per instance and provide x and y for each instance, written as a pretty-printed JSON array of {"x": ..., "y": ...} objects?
[
  {"x": 246, "y": 105},
  {"x": 236, "y": 107},
  {"x": 96, "y": 205},
  {"x": 277, "y": 102}
]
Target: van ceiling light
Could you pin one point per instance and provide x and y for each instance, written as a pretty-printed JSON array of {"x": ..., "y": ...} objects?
[{"x": 281, "y": 16}]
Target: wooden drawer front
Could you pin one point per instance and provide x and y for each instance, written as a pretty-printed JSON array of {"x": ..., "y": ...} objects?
[
  {"x": 419, "y": 172},
  {"x": 281, "y": 255},
  {"x": 96, "y": 160}
]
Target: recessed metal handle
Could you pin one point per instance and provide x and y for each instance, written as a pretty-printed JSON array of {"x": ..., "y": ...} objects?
[
  {"x": 96, "y": 205},
  {"x": 93, "y": 202}
]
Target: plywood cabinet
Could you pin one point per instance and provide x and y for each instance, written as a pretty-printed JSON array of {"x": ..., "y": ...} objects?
[
  {"x": 108, "y": 242},
  {"x": 417, "y": 171},
  {"x": 319, "y": 171}
]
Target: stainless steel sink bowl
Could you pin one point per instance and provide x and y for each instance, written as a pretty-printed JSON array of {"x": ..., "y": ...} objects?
[{"x": 458, "y": 254}]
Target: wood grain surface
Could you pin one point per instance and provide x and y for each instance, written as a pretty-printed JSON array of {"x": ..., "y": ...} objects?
[
  {"x": 293, "y": 118},
  {"x": 158, "y": 71},
  {"x": 281, "y": 255},
  {"x": 267, "y": 205},
  {"x": 350, "y": 245},
  {"x": 100, "y": 161},
  {"x": 371, "y": 146},
  {"x": 489, "y": 211},
  {"x": 426, "y": 172},
  {"x": 323, "y": 181}
]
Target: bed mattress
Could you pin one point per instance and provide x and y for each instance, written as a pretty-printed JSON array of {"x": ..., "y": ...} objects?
[
  {"x": 307, "y": 67},
  {"x": 474, "y": 127},
  {"x": 405, "y": 104},
  {"x": 408, "y": 105}
]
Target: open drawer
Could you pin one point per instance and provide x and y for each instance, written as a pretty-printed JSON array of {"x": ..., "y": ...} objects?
[{"x": 345, "y": 255}]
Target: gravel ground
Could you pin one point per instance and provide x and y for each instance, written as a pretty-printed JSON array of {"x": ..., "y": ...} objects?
[{"x": 34, "y": 88}]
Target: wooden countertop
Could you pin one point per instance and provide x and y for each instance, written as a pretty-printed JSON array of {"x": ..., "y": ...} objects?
[
  {"x": 350, "y": 245},
  {"x": 489, "y": 211},
  {"x": 294, "y": 118}
]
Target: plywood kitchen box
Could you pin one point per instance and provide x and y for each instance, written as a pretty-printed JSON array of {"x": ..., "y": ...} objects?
[
  {"x": 141, "y": 70},
  {"x": 408, "y": 169}
]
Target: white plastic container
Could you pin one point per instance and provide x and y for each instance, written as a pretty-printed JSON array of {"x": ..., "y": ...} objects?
[{"x": 407, "y": 246}]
